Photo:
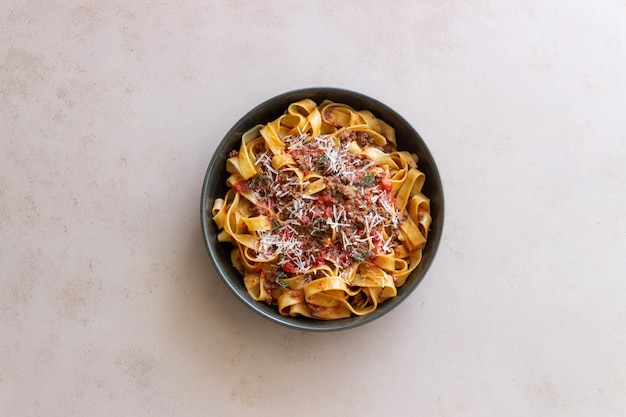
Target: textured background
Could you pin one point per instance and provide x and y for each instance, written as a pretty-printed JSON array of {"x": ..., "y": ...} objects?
[{"x": 110, "y": 112}]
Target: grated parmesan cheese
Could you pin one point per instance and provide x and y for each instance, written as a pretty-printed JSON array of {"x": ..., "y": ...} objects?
[{"x": 300, "y": 218}]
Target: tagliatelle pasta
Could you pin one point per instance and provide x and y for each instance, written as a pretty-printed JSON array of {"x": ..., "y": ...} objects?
[{"x": 326, "y": 217}]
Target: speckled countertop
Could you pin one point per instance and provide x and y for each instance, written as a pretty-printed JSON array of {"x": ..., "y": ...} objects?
[{"x": 110, "y": 112}]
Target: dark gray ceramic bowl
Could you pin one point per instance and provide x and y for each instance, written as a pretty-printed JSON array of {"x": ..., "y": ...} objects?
[{"x": 215, "y": 186}]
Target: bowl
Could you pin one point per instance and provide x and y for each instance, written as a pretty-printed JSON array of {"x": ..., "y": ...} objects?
[{"x": 214, "y": 186}]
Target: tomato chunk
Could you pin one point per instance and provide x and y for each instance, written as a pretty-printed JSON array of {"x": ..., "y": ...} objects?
[
  {"x": 240, "y": 186},
  {"x": 327, "y": 200},
  {"x": 289, "y": 267},
  {"x": 385, "y": 184}
]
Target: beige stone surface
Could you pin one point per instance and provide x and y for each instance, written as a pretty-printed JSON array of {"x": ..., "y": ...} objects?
[{"x": 110, "y": 112}]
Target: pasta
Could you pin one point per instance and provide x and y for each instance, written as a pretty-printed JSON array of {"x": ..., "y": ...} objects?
[{"x": 326, "y": 217}]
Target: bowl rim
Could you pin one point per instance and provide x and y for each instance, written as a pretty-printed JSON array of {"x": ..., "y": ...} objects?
[{"x": 304, "y": 323}]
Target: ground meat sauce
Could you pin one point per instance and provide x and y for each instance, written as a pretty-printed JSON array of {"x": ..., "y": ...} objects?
[
  {"x": 342, "y": 223},
  {"x": 363, "y": 139}
]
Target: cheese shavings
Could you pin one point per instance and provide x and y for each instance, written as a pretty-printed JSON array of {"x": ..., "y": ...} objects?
[{"x": 342, "y": 223}]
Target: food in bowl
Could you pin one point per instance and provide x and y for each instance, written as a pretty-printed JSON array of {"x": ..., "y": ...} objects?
[{"x": 326, "y": 217}]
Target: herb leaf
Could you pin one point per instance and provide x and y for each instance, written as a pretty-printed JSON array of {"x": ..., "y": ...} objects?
[
  {"x": 368, "y": 180},
  {"x": 361, "y": 256},
  {"x": 254, "y": 181},
  {"x": 280, "y": 279},
  {"x": 317, "y": 227}
]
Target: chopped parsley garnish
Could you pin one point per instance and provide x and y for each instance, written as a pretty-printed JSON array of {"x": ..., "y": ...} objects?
[
  {"x": 254, "y": 181},
  {"x": 280, "y": 279},
  {"x": 275, "y": 225},
  {"x": 319, "y": 225},
  {"x": 368, "y": 180},
  {"x": 361, "y": 256}
]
